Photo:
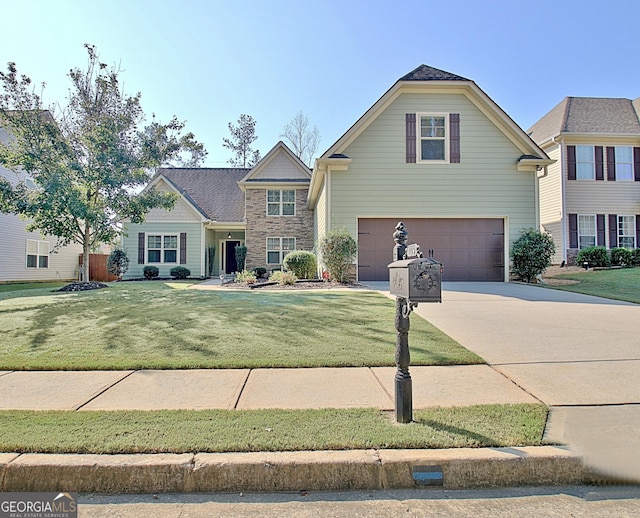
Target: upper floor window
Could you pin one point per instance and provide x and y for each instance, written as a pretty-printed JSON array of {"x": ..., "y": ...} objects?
[
  {"x": 624, "y": 163},
  {"x": 162, "y": 249},
  {"x": 432, "y": 135},
  {"x": 586, "y": 231},
  {"x": 37, "y": 254},
  {"x": 281, "y": 202},
  {"x": 585, "y": 163}
]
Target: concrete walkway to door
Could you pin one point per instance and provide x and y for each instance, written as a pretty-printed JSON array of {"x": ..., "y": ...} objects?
[{"x": 576, "y": 353}]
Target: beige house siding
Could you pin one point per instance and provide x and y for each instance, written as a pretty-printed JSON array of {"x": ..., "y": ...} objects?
[
  {"x": 280, "y": 167},
  {"x": 551, "y": 212},
  {"x": 486, "y": 183},
  {"x": 195, "y": 252},
  {"x": 181, "y": 210}
]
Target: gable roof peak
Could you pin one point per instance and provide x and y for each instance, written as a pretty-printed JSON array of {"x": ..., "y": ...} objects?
[{"x": 427, "y": 73}]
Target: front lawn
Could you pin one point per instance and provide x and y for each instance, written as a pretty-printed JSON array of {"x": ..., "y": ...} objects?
[
  {"x": 618, "y": 284},
  {"x": 161, "y": 325},
  {"x": 181, "y": 431}
]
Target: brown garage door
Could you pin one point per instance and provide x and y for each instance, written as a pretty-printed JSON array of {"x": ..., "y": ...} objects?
[{"x": 470, "y": 249}]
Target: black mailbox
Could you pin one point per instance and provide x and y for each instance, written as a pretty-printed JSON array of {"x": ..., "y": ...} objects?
[{"x": 417, "y": 280}]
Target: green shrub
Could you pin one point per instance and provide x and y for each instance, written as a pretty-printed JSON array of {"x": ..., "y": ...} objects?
[
  {"x": 338, "y": 249},
  {"x": 283, "y": 278},
  {"x": 260, "y": 272},
  {"x": 180, "y": 272},
  {"x": 635, "y": 257},
  {"x": 596, "y": 256},
  {"x": 246, "y": 277},
  {"x": 241, "y": 256},
  {"x": 621, "y": 257},
  {"x": 118, "y": 263},
  {"x": 150, "y": 272},
  {"x": 531, "y": 254},
  {"x": 302, "y": 263}
]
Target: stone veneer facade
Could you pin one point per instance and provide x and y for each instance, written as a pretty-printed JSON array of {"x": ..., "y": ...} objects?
[{"x": 260, "y": 226}]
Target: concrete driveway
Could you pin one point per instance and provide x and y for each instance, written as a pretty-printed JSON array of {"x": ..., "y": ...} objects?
[{"x": 576, "y": 353}]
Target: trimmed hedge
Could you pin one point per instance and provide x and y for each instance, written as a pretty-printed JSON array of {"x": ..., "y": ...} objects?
[{"x": 180, "y": 272}]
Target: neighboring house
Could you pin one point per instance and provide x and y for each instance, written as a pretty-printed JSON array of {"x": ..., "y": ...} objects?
[
  {"x": 437, "y": 153},
  {"x": 29, "y": 256},
  {"x": 591, "y": 195},
  {"x": 263, "y": 208}
]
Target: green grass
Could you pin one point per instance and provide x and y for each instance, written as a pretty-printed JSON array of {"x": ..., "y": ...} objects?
[
  {"x": 620, "y": 284},
  {"x": 160, "y": 325},
  {"x": 268, "y": 430},
  {"x": 19, "y": 286}
]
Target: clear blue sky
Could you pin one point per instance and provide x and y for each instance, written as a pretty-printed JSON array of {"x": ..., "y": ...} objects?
[{"x": 209, "y": 61}]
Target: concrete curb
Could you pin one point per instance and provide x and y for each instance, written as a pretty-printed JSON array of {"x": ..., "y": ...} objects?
[{"x": 293, "y": 471}]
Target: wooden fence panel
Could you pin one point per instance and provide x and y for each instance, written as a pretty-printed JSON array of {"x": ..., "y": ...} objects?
[{"x": 98, "y": 268}]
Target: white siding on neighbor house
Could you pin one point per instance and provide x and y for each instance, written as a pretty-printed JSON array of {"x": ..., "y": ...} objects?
[
  {"x": 486, "y": 183},
  {"x": 281, "y": 167},
  {"x": 551, "y": 215},
  {"x": 195, "y": 247},
  {"x": 63, "y": 264}
]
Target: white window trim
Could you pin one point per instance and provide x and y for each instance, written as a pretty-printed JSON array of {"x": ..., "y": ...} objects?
[
  {"x": 633, "y": 229},
  {"x": 281, "y": 203},
  {"x": 42, "y": 249},
  {"x": 280, "y": 251},
  {"x": 631, "y": 176},
  {"x": 162, "y": 248},
  {"x": 419, "y": 138},
  {"x": 595, "y": 229}
]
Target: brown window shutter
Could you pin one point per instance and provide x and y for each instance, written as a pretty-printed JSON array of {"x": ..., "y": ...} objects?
[
  {"x": 600, "y": 229},
  {"x": 637, "y": 230},
  {"x": 454, "y": 138},
  {"x": 599, "y": 162},
  {"x": 573, "y": 231},
  {"x": 611, "y": 164},
  {"x": 636, "y": 164},
  {"x": 140, "y": 247},
  {"x": 571, "y": 164},
  {"x": 410, "y": 123},
  {"x": 613, "y": 230},
  {"x": 183, "y": 248}
]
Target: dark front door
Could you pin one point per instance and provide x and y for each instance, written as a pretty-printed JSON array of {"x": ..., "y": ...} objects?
[{"x": 230, "y": 264}]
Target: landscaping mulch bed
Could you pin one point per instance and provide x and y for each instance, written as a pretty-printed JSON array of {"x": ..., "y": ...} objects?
[
  {"x": 299, "y": 285},
  {"x": 83, "y": 286}
]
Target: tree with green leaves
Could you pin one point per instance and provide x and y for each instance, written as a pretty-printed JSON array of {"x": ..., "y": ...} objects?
[
  {"x": 531, "y": 254},
  {"x": 242, "y": 136},
  {"x": 338, "y": 249},
  {"x": 301, "y": 138},
  {"x": 88, "y": 160}
]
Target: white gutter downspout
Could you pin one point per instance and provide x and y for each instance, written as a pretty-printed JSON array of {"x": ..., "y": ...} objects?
[
  {"x": 563, "y": 222},
  {"x": 537, "y": 193}
]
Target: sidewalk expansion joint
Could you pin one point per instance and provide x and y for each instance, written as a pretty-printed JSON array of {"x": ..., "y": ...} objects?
[
  {"x": 244, "y": 384},
  {"x": 109, "y": 387},
  {"x": 391, "y": 397},
  {"x": 493, "y": 366}
]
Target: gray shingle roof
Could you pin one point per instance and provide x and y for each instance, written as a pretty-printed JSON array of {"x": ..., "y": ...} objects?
[
  {"x": 588, "y": 115},
  {"x": 426, "y": 73},
  {"x": 214, "y": 191}
]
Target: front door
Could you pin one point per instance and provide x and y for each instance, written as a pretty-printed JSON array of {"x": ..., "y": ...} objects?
[{"x": 230, "y": 264}]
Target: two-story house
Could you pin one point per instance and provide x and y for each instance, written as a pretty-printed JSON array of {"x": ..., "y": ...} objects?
[
  {"x": 591, "y": 194},
  {"x": 263, "y": 208}
]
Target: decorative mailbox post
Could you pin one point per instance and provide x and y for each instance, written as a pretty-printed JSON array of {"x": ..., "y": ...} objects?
[{"x": 412, "y": 279}]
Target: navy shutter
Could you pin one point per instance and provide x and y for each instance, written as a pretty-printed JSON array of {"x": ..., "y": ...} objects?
[
  {"x": 573, "y": 231},
  {"x": 140, "y": 247},
  {"x": 613, "y": 230},
  {"x": 454, "y": 138},
  {"x": 183, "y": 248},
  {"x": 571, "y": 163},
  {"x": 600, "y": 229},
  {"x": 410, "y": 124},
  {"x": 611, "y": 164},
  {"x": 599, "y": 162},
  {"x": 636, "y": 163}
]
